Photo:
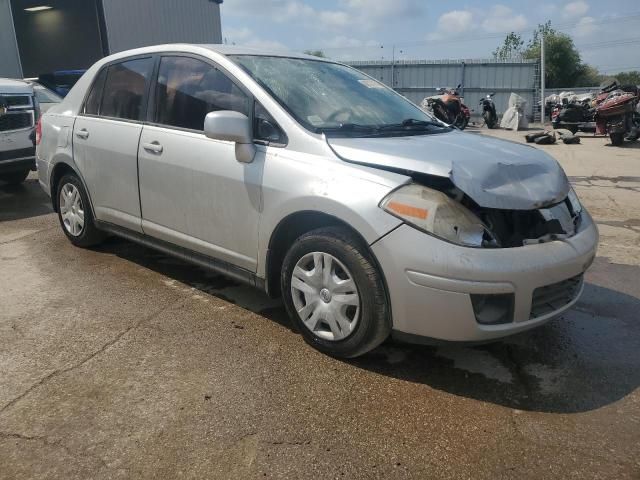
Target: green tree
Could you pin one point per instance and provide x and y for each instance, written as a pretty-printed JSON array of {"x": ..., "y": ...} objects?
[
  {"x": 315, "y": 53},
  {"x": 588, "y": 76},
  {"x": 628, "y": 78},
  {"x": 563, "y": 65},
  {"x": 510, "y": 48}
]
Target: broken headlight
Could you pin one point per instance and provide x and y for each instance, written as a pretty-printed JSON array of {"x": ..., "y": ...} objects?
[
  {"x": 435, "y": 213},
  {"x": 576, "y": 206}
]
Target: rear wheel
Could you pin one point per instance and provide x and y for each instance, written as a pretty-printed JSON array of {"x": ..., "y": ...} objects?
[
  {"x": 15, "y": 178},
  {"x": 617, "y": 139},
  {"x": 74, "y": 213},
  {"x": 334, "y": 293}
]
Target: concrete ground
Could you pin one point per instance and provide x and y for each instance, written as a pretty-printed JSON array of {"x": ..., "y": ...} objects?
[{"x": 119, "y": 362}]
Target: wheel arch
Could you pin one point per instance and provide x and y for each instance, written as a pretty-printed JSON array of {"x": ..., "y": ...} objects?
[
  {"x": 289, "y": 229},
  {"x": 60, "y": 169}
]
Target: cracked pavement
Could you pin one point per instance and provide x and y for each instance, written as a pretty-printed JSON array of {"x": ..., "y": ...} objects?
[{"x": 120, "y": 362}]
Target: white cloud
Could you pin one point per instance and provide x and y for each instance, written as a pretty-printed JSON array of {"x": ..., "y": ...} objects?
[
  {"x": 576, "y": 9},
  {"x": 586, "y": 27},
  {"x": 288, "y": 10},
  {"x": 453, "y": 24},
  {"x": 244, "y": 36},
  {"x": 334, "y": 19},
  {"x": 502, "y": 18},
  {"x": 382, "y": 9}
]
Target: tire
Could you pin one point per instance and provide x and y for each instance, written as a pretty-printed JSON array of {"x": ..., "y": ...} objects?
[
  {"x": 617, "y": 139},
  {"x": 88, "y": 235},
  {"x": 15, "y": 178},
  {"x": 350, "y": 259}
]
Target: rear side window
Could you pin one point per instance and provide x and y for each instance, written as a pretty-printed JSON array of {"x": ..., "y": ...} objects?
[
  {"x": 92, "y": 105},
  {"x": 124, "y": 89},
  {"x": 187, "y": 89}
]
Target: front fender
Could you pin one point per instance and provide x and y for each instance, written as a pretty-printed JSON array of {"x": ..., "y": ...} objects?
[{"x": 346, "y": 192}]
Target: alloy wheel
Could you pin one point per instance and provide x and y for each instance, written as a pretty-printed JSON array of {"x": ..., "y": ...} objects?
[{"x": 325, "y": 296}]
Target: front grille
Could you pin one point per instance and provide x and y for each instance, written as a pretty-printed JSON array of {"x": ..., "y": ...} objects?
[
  {"x": 16, "y": 121},
  {"x": 17, "y": 100},
  {"x": 553, "y": 297},
  {"x": 21, "y": 153}
]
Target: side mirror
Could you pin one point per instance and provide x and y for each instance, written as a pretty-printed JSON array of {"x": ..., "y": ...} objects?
[{"x": 232, "y": 127}]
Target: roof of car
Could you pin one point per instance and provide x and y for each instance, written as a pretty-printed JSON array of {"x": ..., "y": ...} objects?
[
  {"x": 242, "y": 50},
  {"x": 11, "y": 85},
  {"x": 216, "y": 48}
]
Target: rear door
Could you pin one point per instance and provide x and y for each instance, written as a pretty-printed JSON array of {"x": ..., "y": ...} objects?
[
  {"x": 193, "y": 191},
  {"x": 106, "y": 137}
]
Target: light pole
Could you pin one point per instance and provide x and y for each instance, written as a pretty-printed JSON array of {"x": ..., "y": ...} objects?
[{"x": 542, "y": 102}]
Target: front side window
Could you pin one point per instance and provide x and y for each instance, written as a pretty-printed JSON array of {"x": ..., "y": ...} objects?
[
  {"x": 328, "y": 97},
  {"x": 188, "y": 89},
  {"x": 265, "y": 128},
  {"x": 124, "y": 89}
]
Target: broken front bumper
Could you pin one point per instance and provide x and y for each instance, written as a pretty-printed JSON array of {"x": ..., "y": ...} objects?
[{"x": 431, "y": 282}]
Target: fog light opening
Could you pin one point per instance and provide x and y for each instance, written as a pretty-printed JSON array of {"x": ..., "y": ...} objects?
[{"x": 493, "y": 309}]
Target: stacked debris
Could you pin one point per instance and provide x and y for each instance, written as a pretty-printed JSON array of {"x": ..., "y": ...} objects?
[{"x": 548, "y": 137}]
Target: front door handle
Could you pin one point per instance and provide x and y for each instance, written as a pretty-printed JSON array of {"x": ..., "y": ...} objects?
[
  {"x": 153, "y": 147},
  {"x": 84, "y": 134}
]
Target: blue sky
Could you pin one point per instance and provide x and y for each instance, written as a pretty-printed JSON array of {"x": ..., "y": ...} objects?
[{"x": 357, "y": 29}]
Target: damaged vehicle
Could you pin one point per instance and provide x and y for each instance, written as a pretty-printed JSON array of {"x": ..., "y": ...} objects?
[{"x": 313, "y": 181}]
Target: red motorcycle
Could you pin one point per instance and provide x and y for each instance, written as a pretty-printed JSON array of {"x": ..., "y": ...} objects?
[
  {"x": 448, "y": 107},
  {"x": 617, "y": 115}
]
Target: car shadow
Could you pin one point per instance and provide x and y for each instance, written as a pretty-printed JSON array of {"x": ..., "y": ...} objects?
[
  {"x": 25, "y": 200},
  {"x": 583, "y": 360}
]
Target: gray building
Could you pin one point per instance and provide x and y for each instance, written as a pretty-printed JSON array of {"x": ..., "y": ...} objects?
[{"x": 41, "y": 36}]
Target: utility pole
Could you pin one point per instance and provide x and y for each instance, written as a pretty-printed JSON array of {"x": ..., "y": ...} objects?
[
  {"x": 393, "y": 66},
  {"x": 542, "y": 101}
]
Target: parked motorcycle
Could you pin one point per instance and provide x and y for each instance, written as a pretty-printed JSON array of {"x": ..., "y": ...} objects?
[
  {"x": 577, "y": 112},
  {"x": 448, "y": 107},
  {"x": 617, "y": 116},
  {"x": 489, "y": 111},
  {"x": 466, "y": 113}
]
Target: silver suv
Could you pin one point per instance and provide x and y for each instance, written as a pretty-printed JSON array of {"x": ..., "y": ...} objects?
[
  {"x": 18, "y": 114},
  {"x": 311, "y": 180}
]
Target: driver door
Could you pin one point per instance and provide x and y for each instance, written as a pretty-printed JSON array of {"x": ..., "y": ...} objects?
[{"x": 193, "y": 191}]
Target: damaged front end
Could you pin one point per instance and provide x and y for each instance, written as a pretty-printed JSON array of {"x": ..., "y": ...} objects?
[{"x": 437, "y": 207}]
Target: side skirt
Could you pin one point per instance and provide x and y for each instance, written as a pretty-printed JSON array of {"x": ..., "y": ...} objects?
[{"x": 204, "y": 261}]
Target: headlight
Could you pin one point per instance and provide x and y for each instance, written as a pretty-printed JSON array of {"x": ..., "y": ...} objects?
[
  {"x": 576, "y": 206},
  {"x": 435, "y": 213}
]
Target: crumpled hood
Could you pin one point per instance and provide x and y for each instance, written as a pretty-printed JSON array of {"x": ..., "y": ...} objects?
[{"x": 494, "y": 173}]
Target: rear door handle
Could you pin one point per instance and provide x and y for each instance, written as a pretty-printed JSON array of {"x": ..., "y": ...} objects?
[
  {"x": 84, "y": 134},
  {"x": 153, "y": 147}
]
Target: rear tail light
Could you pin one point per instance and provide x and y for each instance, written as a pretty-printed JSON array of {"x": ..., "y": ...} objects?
[{"x": 39, "y": 131}]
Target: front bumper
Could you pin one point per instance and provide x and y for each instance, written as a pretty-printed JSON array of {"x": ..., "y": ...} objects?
[
  {"x": 17, "y": 151},
  {"x": 430, "y": 281}
]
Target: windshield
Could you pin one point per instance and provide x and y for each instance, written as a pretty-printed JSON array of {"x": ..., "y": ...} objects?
[
  {"x": 336, "y": 99},
  {"x": 44, "y": 95}
]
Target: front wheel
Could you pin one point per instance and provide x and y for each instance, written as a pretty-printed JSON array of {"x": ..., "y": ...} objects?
[
  {"x": 617, "y": 139},
  {"x": 15, "y": 178},
  {"x": 334, "y": 293}
]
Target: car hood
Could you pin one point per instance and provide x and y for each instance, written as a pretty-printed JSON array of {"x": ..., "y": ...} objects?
[
  {"x": 9, "y": 86},
  {"x": 494, "y": 173}
]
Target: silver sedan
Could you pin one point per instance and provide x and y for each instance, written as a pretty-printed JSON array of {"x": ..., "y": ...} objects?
[{"x": 313, "y": 181}]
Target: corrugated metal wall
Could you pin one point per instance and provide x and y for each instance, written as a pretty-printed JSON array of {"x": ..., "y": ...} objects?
[
  {"x": 417, "y": 79},
  {"x": 140, "y": 23},
  {"x": 9, "y": 58}
]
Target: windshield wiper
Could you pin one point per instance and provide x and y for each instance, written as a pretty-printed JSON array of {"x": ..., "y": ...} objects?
[
  {"x": 410, "y": 124},
  {"x": 349, "y": 127}
]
